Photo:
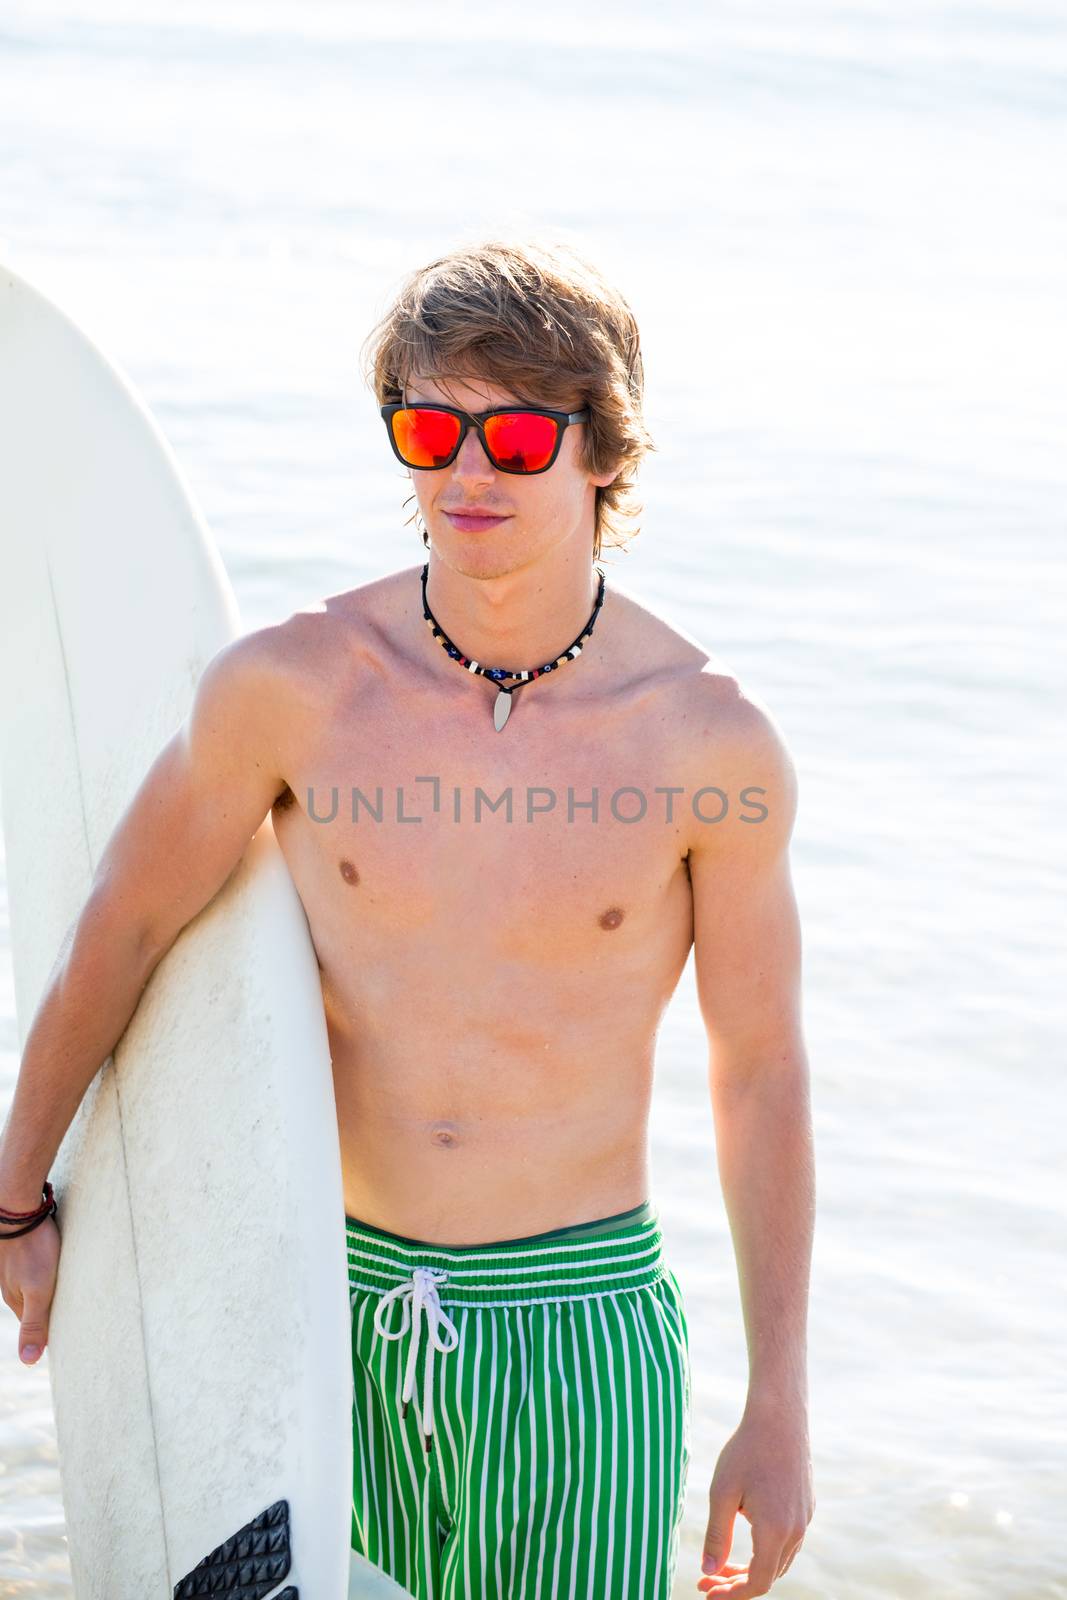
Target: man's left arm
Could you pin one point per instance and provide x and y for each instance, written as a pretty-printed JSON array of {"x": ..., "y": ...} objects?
[{"x": 747, "y": 953}]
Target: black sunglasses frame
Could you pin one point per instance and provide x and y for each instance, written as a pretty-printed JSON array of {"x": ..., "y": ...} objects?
[{"x": 470, "y": 419}]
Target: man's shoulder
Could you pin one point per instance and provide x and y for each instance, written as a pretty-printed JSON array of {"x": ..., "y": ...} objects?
[
  {"x": 725, "y": 713},
  {"x": 314, "y": 640},
  {"x": 722, "y": 731},
  {"x": 698, "y": 687}
]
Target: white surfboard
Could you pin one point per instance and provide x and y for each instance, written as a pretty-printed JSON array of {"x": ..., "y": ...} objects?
[{"x": 199, "y": 1349}]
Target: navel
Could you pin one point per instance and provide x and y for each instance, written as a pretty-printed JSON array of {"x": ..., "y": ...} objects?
[
  {"x": 444, "y": 1135},
  {"x": 349, "y": 873},
  {"x": 612, "y": 917}
]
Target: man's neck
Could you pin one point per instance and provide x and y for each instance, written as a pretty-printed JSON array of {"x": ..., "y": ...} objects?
[{"x": 520, "y": 619}]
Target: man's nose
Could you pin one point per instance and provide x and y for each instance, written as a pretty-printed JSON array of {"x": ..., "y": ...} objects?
[{"x": 472, "y": 460}]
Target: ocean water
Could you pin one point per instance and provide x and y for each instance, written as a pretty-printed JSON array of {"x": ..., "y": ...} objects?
[{"x": 843, "y": 229}]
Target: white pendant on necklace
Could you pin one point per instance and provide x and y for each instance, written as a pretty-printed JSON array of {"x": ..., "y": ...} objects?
[{"x": 501, "y": 709}]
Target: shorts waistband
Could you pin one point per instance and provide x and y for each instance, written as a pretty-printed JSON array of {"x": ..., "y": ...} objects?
[{"x": 623, "y": 1251}]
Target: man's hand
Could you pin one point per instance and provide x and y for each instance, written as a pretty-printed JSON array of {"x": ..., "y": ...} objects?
[
  {"x": 29, "y": 1265},
  {"x": 764, "y": 1472}
]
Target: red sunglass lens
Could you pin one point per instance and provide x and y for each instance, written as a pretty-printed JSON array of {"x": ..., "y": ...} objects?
[
  {"x": 425, "y": 438},
  {"x": 521, "y": 442}
]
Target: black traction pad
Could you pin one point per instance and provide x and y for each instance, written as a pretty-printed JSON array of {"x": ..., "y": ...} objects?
[{"x": 247, "y": 1565}]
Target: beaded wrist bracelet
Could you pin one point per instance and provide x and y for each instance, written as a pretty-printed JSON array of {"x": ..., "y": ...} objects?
[{"x": 30, "y": 1219}]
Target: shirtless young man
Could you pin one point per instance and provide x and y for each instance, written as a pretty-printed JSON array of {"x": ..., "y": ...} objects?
[{"x": 494, "y": 976}]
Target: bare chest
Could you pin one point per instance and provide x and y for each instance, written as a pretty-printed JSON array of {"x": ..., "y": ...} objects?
[{"x": 555, "y": 842}]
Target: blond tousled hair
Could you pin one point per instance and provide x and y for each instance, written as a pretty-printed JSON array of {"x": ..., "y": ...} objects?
[{"x": 535, "y": 317}]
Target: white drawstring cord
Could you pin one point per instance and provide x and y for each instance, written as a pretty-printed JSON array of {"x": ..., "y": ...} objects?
[{"x": 419, "y": 1293}]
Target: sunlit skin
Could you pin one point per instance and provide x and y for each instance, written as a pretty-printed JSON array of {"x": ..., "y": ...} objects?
[{"x": 531, "y": 568}]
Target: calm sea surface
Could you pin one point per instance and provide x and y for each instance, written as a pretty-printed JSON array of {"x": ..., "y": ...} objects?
[{"x": 843, "y": 228}]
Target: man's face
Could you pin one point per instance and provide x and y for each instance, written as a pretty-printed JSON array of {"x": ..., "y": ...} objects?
[{"x": 539, "y": 511}]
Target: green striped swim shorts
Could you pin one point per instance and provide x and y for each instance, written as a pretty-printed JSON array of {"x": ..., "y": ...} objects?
[{"x": 520, "y": 1412}]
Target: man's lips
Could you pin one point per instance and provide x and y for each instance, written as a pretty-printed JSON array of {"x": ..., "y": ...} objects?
[{"x": 471, "y": 521}]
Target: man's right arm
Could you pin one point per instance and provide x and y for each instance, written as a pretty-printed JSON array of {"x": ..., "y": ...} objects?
[{"x": 180, "y": 838}]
